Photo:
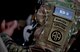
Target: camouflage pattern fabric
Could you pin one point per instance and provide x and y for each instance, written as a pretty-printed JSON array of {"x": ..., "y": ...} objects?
[{"x": 13, "y": 47}]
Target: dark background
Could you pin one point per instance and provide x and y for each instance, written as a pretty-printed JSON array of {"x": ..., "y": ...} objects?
[{"x": 17, "y": 9}]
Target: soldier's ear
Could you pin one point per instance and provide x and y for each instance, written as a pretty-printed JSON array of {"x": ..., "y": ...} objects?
[{"x": 14, "y": 24}]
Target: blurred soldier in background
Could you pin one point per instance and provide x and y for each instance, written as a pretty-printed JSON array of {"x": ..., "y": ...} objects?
[{"x": 11, "y": 46}]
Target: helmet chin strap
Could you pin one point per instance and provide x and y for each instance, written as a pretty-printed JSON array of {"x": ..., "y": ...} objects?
[{"x": 27, "y": 32}]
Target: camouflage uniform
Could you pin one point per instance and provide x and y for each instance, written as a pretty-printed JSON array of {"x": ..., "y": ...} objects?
[{"x": 13, "y": 47}]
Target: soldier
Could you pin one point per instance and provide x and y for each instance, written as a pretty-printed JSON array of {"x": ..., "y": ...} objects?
[
  {"x": 7, "y": 31},
  {"x": 9, "y": 27}
]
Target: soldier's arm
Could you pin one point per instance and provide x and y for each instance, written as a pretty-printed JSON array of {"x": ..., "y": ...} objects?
[{"x": 11, "y": 46}]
